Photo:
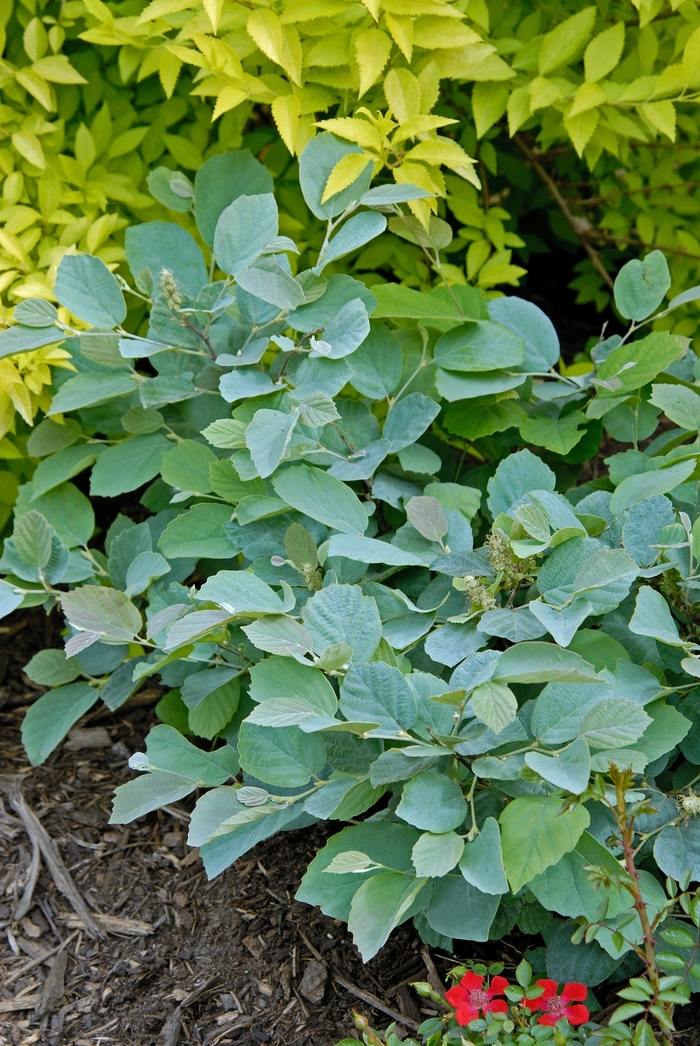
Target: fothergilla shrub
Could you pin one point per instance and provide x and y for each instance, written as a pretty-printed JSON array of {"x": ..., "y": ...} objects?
[{"x": 391, "y": 571}]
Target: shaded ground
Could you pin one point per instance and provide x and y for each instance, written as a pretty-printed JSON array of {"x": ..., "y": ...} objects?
[{"x": 243, "y": 930}]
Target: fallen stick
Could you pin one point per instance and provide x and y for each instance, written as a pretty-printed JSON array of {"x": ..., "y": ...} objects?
[
  {"x": 49, "y": 851},
  {"x": 433, "y": 976},
  {"x": 54, "y": 986},
  {"x": 28, "y": 894},
  {"x": 367, "y": 997},
  {"x": 111, "y": 924},
  {"x": 374, "y": 1002},
  {"x": 16, "y": 974},
  {"x": 24, "y": 1002},
  {"x": 171, "y": 1029}
]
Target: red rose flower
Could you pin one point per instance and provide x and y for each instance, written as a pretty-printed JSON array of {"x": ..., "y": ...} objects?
[
  {"x": 469, "y": 998},
  {"x": 558, "y": 1006}
]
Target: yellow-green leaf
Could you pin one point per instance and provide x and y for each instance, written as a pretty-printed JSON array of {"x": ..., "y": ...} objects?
[
  {"x": 229, "y": 98},
  {"x": 640, "y": 89},
  {"x": 401, "y": 29},
  {"x": 362, "y": 132},
  {"x": 29, "y": 146},
  {"x": 344, "y": 173},
  {"x": 403, "y": 93},
  {"x": 35, "y": 39},
  {"x": 285, "y": 111},
  {"x": 85, "y": 150},
  {"x": 214, "y": 9},
  {"x": 161, "y": 8},
  {"x": 57, "y": 69},
  {"x": 580, "y": 128},
  {"x": 588, "y": 96},
  {"x": 127, "y": 142},
  {"x": 563, "y": 43},
  {"x": 671, "y": 81},
  {"x": 372, "y": 50},
  {"x": 168, "y": 70},
  {"x": 544, "y": 92},
  {"x": 432, "y": 33},
  {"x": 691, "y": 59},
  {"x": 489, "y": 101},
  {"x": 444, "y": 151},
  {"x": 280, "y": 43},
  {"x": 373, "y": 7},
  {"x": 518, "y": 108},
  {"x": 37, "y": 87},
  {"x": 604, "y": 52},
  {"x": 419, "y": 125},
  {"x": 661, "y": 115},
  {"x": 183, "y": 151}
]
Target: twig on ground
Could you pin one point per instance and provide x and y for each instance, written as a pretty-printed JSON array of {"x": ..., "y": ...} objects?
[
  {"x": 16, "y": 974},
  {"x": 374, "y": 1002},
  {"x": 434, "y": 978},
  {"x": 365, "y": 996},
  {"x": 59, "y": 873},
  {"x": 27, "y": 898},
  {"x": 300, "y": 1001},
  {"x": 179, "y": 815},
  {"x": 22, "y": 1002},
  {"x": 112, "y": 924},
  {"x": 54, "y": 986},
  {"x": 578, "y": 225},
  {"x": 314, "y": 951},
  {"x": 238, "y": 1022},
  {"x": 171, "y": 1029}
]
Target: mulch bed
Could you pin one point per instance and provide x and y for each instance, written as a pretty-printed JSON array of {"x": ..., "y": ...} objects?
[{"x": 183, "y": 960}]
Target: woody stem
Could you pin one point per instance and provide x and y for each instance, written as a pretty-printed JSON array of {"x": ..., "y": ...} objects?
[{"x": 626, "y": 828}]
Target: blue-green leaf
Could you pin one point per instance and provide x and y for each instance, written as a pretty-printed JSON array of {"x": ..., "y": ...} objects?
[{"x": 86, "y": 287}]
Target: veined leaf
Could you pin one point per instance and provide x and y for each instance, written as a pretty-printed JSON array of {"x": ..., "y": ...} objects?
[{"x": 536, "y": 833}]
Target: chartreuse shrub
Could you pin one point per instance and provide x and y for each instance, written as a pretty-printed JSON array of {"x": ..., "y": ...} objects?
[
  {"x": 454, "y": 661},
  {"x": 75, "y": 145},
  {"x": 601, "y": 80},
  {"x": 94, "y": 93},
  {"x": 597, "y": 79},
  {"x": 82, "y": 122}
]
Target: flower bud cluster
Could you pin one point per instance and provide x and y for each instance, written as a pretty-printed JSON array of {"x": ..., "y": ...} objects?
[
  {"x": 313, "y": 576},
  {"x": 476, "y": 592},
  {"x": 170, "y": 289},
  {"x": 506, "y": 563}
]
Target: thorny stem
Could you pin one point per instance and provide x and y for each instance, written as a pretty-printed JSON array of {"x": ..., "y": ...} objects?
[{"x": 625, "y": 825}]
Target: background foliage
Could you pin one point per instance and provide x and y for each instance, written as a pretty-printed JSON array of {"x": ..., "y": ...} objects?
[{"x": 116, "y": 87}]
